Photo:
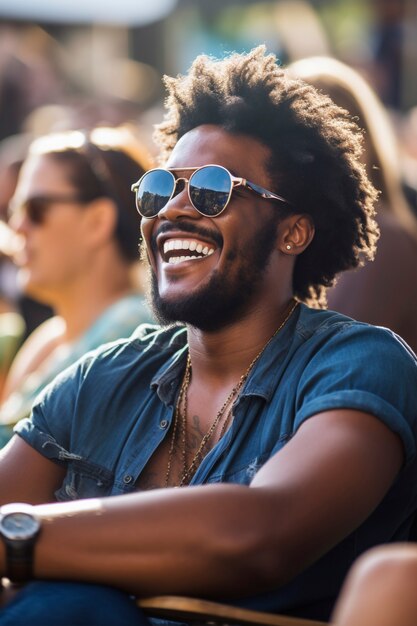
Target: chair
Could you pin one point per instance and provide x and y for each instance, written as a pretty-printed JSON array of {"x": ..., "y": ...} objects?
[{"x": 195, "y": 611}]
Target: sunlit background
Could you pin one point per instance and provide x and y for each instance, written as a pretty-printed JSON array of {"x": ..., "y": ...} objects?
[{"x": 69, "y": 61}]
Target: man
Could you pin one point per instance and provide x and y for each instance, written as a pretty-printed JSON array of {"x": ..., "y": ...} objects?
[{"x": 294, "y": 427}]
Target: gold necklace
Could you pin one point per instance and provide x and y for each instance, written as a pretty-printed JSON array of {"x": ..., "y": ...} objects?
[{"x": 180, "y": 416}]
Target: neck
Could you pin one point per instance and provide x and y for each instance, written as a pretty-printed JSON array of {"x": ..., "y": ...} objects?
[
  {"x": 225, "y": 355},
  {"x": 212, "y": 381}
]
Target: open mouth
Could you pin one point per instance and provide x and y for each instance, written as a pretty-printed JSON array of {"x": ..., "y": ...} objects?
[{"x": 178, "y": 250}]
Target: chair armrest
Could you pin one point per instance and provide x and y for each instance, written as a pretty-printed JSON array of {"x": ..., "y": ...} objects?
[{"x": 194, "y": 610}]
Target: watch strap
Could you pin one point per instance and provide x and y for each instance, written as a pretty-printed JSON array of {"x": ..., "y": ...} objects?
[{"x": 19, "y": 562}]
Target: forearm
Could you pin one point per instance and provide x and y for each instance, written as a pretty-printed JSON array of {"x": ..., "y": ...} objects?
[
  {"x": 179, "y": 541},
  {"x": 229, "y": 539}
]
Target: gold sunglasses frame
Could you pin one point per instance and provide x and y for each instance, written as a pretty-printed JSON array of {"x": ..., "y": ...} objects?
[{"x": 235, "y": 182}]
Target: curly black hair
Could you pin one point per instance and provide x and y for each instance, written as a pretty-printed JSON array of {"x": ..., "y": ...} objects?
[{"x": 315, "y": 152}]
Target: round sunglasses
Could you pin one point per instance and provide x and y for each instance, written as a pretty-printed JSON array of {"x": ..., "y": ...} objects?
[{"x": 210, "y": 188}]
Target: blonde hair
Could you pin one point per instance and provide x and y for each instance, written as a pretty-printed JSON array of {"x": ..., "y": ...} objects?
[
  {"x": 351, "y": 91},
  {"x": 121, "y": 138}
]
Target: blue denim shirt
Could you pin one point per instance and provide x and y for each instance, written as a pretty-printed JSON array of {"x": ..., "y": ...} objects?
[{"x": 104, "y": 417}]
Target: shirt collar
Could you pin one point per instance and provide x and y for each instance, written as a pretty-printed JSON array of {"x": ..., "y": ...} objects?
[{"x": 262, "y": 380}]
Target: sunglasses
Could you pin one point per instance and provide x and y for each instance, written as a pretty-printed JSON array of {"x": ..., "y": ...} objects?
[
  {"x": 36, "y": 208},
  {"x": 209, "y": 189}
]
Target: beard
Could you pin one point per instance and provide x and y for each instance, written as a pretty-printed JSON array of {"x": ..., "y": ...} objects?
[{"x": 227, "y": 295}]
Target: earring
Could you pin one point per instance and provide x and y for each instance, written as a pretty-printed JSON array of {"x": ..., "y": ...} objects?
[{"x": 288, "y": 246}]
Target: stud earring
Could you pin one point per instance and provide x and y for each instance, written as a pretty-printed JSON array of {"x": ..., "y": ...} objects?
[{"x": 288, "y": 246}]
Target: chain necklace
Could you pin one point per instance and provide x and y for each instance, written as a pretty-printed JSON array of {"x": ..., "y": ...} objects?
[{"x": 180, "y": 416}]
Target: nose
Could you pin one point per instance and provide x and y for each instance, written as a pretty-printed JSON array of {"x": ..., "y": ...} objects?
[
  {"x": 10, "y": 241},
  {"x": 19, "y": 222},
  {"x": 180, "y": 204}
]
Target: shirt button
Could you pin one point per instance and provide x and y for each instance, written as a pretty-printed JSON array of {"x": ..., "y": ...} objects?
[
  {"x": 127, "y": 479},
  {"x": 163, "y": 424}
]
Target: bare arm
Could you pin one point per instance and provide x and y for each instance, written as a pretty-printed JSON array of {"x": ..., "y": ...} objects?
[
  {"x": 229, "y": 539},
  {"x": 33, "y": 353},
  {"x": 26, "y": 475}
]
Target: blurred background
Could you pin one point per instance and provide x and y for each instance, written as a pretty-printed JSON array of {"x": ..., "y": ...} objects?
[
  {"x": 80, "y": 63},
  {"x": 88, "y": 61}
]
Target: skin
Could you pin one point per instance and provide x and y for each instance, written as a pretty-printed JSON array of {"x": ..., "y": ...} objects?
[
  {"x": 380, "y": 589},
  {"x": 223, "y": 539},
  {"x": 69, "y": 261}
]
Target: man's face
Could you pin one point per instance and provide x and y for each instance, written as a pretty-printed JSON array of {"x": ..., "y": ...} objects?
[{"x": 212, "y": 291}]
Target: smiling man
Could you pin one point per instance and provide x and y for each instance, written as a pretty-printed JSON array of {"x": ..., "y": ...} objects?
[{"x": 289, "y": 429}]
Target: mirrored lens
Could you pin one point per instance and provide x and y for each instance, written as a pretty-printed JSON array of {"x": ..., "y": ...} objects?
[
  {"x": 210, "y": 189},
  {"x": 154, "y": 192}
]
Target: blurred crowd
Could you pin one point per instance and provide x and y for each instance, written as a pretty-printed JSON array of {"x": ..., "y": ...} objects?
[{"x": 70, "y": 276}]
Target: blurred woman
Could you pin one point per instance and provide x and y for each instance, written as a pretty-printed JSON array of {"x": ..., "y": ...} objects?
[
  {"x": 80, "y": 230},
  {"x": 13, "y": 151},
  {"x": 383, "y": 292}
]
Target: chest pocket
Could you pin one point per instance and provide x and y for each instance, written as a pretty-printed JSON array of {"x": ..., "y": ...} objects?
[{"x": 85, "y": 480}]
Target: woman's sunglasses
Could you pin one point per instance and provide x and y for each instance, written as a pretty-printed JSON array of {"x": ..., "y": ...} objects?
[
  {"x": 36, "y": 208},
  {"x": 209, "y": 189}
]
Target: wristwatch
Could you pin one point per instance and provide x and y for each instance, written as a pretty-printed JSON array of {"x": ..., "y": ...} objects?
[{"x": 19, "y": 530}]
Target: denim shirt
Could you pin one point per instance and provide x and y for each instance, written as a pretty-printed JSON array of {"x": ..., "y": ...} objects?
[{"x": 104, "y": 417}]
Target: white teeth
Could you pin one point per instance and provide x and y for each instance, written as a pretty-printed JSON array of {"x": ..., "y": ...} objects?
[
  {"x": 173, "y": 260},
  {"x": 186, "y": 244},
  {"x": 169, "y": 245}
]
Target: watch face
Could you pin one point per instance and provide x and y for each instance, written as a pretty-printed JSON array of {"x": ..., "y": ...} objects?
[{"x": 19, "y": 526}]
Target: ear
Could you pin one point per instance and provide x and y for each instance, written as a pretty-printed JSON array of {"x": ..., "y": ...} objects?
[
  {"x": 295, "y": 234},
  {"x": 100, "y": 220}
]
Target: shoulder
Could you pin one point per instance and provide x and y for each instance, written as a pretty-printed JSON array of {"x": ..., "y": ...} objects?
[
  {"x": 131, "y": 362},
  {"x": 37, "y": 347},
  {"x": 146, "y": 340},
  {"x": 118, "y": 320},
  {"x": 349, "y": 364},
  {"x": 131, "y": 309},
  {"x": 46, "y": 333},
  {"x": 339, "y": 353},
  {"x": 330, "y": 329},
  {"x": 146, "y": 350}
]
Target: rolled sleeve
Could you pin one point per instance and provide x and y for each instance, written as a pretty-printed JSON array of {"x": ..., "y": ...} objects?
[
  {"x": 48, "y": 428},
  {"x": 366, "y": 369}
]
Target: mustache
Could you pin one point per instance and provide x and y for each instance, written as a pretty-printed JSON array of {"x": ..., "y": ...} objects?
[{"x": 189, "y": 228}]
